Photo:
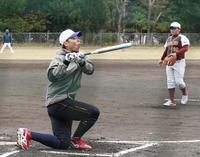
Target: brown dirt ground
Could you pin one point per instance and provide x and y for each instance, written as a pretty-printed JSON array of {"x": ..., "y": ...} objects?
[{"x": 129, "y": 94}]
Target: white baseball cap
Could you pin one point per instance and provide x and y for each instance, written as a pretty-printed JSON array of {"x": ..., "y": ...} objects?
[
  {"x": 68, "y": 34},
  {"x": 175, "y": 25}
]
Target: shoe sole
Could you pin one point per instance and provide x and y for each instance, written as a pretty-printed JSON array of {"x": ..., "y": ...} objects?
[
  {"x": 172, "y": 105},
  {"x": 183, "y": 103}
]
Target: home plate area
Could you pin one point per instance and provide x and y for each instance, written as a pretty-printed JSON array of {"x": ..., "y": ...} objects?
[
  {"x": 108, "y": 149},
  {"x": 100, "y": 148}
]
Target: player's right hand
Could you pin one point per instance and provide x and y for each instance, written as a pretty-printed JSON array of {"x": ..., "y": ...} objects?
[
  {"x": 161, "y": 62},
  {"x": 70, "y": 57},
  {"x": 75, "y": 57}
]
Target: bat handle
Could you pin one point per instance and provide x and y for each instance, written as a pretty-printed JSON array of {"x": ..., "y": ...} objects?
[{"x": 88, "y": 53}]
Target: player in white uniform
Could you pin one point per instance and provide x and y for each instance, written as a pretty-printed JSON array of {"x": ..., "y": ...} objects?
[
  {"x": 179, "y": 44},
  {"x": 7, "y": 41}
]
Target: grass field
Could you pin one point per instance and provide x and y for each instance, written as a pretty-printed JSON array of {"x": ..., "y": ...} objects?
[{"x": 137, "y": 53}]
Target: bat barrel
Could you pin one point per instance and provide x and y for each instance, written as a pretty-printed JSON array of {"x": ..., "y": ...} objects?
[{"x": 111, "y": 48}]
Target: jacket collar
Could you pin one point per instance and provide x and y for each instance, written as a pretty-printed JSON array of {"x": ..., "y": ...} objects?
[{"x": 63, "y": 52}]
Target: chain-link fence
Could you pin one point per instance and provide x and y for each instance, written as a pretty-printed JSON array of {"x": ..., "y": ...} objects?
[{"x": 102, "y": 39}]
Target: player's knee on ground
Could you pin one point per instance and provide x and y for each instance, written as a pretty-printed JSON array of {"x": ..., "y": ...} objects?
[
  {"x": 64, "y": 143},
  {"x": 180, "y": 83},
  {"x": 64, "y": 138}
]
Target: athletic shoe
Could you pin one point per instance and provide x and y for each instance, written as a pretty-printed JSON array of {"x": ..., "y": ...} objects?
[
  {"x": 184, "y": 99},
  {"x": 23, "y": 138},
  {"x": 80, "y": 143},
  {"x": 169, "y": 103}
]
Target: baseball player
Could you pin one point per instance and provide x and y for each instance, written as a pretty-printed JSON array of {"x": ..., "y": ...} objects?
[
  {"x": 64, "y": 74},
  {"x": 7, "y": 40},
  {"x": 176, "y": 44}
]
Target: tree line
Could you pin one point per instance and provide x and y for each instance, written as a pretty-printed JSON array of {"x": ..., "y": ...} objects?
[{"x": 121, "y": 16}]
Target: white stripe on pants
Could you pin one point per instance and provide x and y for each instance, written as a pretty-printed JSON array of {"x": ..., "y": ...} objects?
[{"x": 175, "y": 74}]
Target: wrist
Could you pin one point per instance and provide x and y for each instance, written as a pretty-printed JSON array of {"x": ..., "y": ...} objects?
[
  {"x": 66, "y": 62},
  {"x": 82, "y": 64}
]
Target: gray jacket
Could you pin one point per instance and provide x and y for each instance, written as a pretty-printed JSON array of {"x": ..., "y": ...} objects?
[{"x": 65, "y": 78}]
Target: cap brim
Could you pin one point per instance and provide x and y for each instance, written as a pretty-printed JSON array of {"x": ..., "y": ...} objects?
[
  {"x": 172, "y": 27},
  {"x": 76, "y": 34}
]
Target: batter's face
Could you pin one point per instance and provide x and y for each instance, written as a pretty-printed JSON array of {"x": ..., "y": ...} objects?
[
  {"x": 72, "y": 44},
  {"x": 174, "y": 30}
]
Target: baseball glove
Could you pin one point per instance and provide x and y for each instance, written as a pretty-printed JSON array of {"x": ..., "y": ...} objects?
[{"x": 170, "y": 59}]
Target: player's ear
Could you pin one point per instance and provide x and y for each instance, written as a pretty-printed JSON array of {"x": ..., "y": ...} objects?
[{"x": 66, "y": 44}]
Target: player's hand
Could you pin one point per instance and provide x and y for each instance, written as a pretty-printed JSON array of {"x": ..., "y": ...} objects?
[
  {"x": 80, "y": 58},
  {"x": 161, "y": 62},
  {"x": 81, "y": 55},
  {"x": 71, "y": 57},
  {"x": 76, "y": 57}
]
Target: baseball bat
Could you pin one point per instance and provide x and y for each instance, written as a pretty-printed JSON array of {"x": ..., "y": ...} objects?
[{"x": 110, "y": 48}]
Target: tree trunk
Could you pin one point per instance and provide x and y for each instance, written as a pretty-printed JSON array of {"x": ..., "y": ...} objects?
[
  {"x": 121, "y": 10},
  {"x": 150, "y": 6}
]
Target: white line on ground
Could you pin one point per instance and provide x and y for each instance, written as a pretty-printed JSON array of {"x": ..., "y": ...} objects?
[
  {"x": 123, "y": 152},
  {"x": 77, "y": 154},
  {"x": 4, "y": 138},
  {"x": 190, "y": 100},
  {"x": 9, "y": 153},
  {"x": 145, "y": 144},
  {"x": 148, "y": 142},
  {"x": 5, "y": 143},
  {"x": 183, "y": 141}
]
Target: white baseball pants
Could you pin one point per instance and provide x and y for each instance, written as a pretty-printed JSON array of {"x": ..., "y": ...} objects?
[
  {"x": 4, "y": 46},
  {"x": 175, "y": 75}
]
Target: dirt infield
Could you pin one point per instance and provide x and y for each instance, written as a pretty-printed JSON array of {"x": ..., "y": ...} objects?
[
  {"x": 129, "y": 93},
  {"x": 135, "y": 53}
]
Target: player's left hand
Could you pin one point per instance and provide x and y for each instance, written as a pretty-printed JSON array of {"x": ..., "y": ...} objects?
[
  {"x": 81, "y": 54},
  {"x": 170, "y": 59},
  {"x": 70, "y": 57},
  {"x": 80, "y": 58}
]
